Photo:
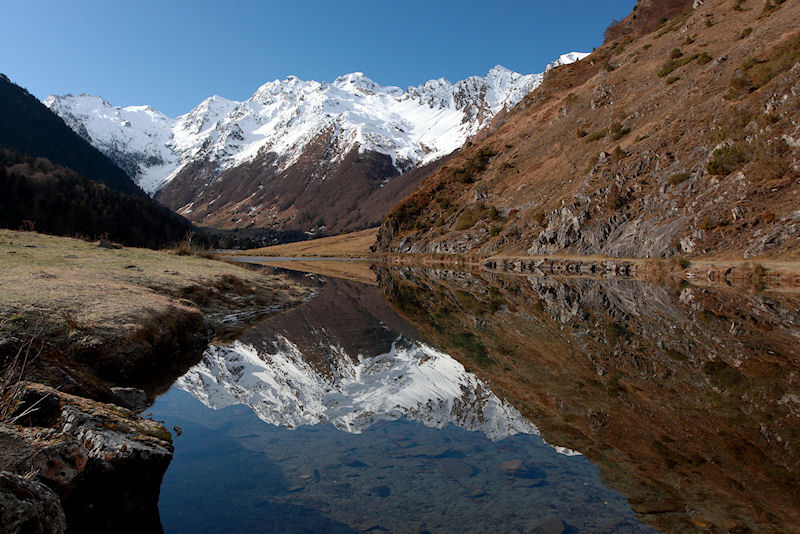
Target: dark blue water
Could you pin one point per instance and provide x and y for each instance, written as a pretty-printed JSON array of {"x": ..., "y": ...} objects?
[{"x": 234, "y": 473}]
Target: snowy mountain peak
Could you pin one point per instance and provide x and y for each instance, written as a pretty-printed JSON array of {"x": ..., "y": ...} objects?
[
  {"x": 413, "y": 127},
  {"x": 357, "y": 79}
]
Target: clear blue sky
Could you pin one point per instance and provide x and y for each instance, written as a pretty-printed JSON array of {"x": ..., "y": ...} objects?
[{"x": 173, "y": 54}]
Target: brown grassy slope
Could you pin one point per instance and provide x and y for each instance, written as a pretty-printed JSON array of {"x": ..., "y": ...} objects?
[
  {"x": 352, "y": 245},
  {"x": 680, "y": 141}
]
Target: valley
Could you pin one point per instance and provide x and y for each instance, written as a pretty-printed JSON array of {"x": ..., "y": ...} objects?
[{"x": 563, "y": 301}]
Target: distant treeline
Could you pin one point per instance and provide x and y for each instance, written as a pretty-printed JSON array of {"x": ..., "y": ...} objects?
[{"x": 40, "y": 195}]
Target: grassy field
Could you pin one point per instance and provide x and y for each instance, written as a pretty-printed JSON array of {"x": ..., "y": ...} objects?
[
  {"x": 357, "y": 271},
  {"x": 352, "y": 245},
  {"x": 68, "y": 287}
]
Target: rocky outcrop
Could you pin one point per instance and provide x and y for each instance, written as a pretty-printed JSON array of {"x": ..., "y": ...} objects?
[
  {"x": 787, "y": 231},
  {"x": 104, "y": 462}
]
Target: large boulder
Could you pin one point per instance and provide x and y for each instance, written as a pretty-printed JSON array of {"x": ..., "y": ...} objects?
[{"x": 103, "y": 461}]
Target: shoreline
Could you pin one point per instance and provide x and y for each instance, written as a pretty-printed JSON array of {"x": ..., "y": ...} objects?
[{"x": 88, "y": 337}]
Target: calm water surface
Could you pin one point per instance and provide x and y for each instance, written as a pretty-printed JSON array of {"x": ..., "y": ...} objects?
[{"x": 437, "y": 401}]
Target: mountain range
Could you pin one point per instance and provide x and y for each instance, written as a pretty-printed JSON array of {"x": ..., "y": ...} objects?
[{"x": 274, "y": 160}]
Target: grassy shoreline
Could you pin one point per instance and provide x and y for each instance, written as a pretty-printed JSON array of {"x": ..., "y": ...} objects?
[{"x": 113, "y": 316}]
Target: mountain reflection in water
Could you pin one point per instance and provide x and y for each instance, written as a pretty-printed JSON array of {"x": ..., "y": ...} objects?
[
  {"x": 686, "y": 397},
  {"x": 377, "y": 431}
]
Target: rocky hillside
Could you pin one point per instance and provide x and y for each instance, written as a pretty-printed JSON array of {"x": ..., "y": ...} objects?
[
  {"x": 298, "y": 155},
  {"x": 678, "y": 136}
]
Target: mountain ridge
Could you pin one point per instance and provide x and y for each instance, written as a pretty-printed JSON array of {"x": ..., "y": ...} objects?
[
  {"x": 260, "y": 163},
  {"x": 475, "y": 96}
]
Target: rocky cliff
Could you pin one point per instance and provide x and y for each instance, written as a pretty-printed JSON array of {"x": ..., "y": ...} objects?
[{"x": 674, "y": 137}]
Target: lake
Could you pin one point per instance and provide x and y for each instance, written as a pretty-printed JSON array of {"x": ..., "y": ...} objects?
[{"x": 442, "y": 401}]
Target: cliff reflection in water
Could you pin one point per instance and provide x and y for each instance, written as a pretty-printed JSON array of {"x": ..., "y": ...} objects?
[{"x": 686, "y": 398}]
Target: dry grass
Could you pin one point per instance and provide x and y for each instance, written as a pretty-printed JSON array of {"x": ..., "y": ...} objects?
[
  {"x": 357, "y": 271},
  {"x": 352, "y": 245},
  {"x": 79, "y": 288}
]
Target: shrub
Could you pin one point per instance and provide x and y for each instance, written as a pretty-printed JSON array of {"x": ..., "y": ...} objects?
[
  {"x": 782, "y": 59},
  {"x": 703, "y": 58},
  {"x": 596, "y": 136},
  {"x": 745, "y": 32},
  {"x": 707, "y": 224},
  {"x": 473, "y": 166},
  {"x": 617, "y": 131},
  {"x": 722, "y": 375},
  {"x": 681, "y": 177},
  {"x": 675, "y": 63},
  {"x": 672, "y": 79},
  {"x": 717, "y": 135},
  {"x": 727, "y": 159},
  {"x": 615, "y": 30},
  {"x": 467, "y": 219},
  {"x": 769, "y": 7}
]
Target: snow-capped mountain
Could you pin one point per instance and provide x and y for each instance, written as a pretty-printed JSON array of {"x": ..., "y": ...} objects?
[
  {"x": 281, "y": 124},
  {"x": 135, "y": 137},
  {"x": 412, "y": 380}
]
